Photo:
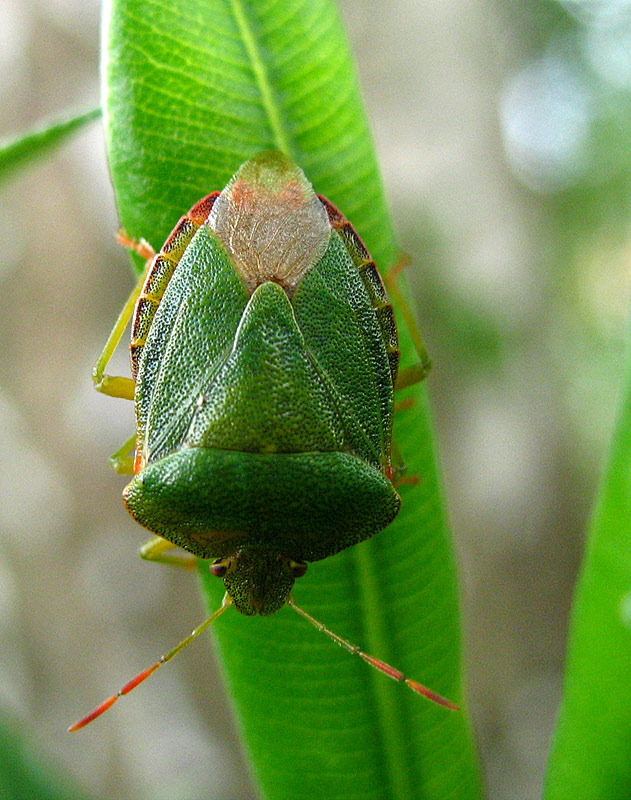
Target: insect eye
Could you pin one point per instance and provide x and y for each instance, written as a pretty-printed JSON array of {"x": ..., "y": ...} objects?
[
  {"x": 219, "y": 567},
  {"x": 298, "y": 568}
]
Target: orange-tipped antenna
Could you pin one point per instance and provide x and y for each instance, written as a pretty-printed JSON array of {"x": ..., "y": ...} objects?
[
  {"x": 375, "y": 662},
  {"x": 102, "y": 707}
]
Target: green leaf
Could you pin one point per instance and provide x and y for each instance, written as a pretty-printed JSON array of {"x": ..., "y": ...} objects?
[
  {"x": 25, "y": 772},
  {"x": 26, "y": 147},
  {"x": 591, "y": 753},
  {"x": 193, "y": 89}
]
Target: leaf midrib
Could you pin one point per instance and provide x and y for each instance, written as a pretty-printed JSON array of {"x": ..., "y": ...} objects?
[
  {"x": 390, "y": 727},
  {"x": 272, "y": 109}
]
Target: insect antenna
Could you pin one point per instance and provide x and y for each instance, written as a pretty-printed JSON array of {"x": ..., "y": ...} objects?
[
  {"x": 102, "y": 707},
  {"x": 391, "y": 672}
]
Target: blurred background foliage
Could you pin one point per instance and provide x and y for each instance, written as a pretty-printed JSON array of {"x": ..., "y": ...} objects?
[{"x": 502, "y": 132}]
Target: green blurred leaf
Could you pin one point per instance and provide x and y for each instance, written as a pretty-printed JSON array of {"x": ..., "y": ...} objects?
[
  {"x": 28, "y": 146},
  {"x": 591, "y": 752},
  {"x": 193, "y": 89},
  {"x": 24, "y": 772}
]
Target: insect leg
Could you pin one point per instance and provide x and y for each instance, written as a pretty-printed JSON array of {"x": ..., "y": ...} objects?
[
  {"x": 399, "y": 468},
  {"x": 401, "y": 405},
  {"x": 116, "y": 386},
  {"x": 418, "y": 372},
  {"x": 140, "y": 246},
  {"x": 157, "y": 549},
  {"x": 120, "y": 461},
  {"x": 412, "y": 375}
]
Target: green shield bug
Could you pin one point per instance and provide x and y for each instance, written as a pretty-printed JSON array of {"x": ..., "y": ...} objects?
[{"x": 264, "y": 358}]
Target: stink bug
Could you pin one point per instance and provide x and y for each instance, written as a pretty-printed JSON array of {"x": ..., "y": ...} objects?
[{"x": 264, "y": 358}]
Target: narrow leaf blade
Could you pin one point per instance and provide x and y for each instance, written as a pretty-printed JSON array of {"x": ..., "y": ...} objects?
[
  {"x": 27, "y": 147},
  {"x": 591, "y": 752},
  {"x": 192, "y": 91}
]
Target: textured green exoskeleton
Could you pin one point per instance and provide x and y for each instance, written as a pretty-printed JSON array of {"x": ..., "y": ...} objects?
[
  {"x": 265, "y": 351},
  {"x": 264, "y": 357}
]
